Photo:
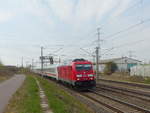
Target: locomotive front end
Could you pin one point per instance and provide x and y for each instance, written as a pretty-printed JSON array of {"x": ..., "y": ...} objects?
[{"x": 84, "y": 75}]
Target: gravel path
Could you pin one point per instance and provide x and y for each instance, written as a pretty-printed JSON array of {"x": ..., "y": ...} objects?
[
  {"x": 44, "y": 100},
  {"x": 8, "y": 88}
]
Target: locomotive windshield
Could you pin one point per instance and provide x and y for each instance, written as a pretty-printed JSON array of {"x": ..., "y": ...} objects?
[{"x": 83, "y": 67}]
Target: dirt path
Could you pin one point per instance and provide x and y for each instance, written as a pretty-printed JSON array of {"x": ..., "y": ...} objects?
[
  {"x": 44, "y": 100},
  {"x": 8, "y": 88}
]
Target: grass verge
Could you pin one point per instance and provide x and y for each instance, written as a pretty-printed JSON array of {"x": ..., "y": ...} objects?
[
  {"x": 6, "y": 72},
  {"x": 127, "y": 78},
  {"x": 26, "y": 99},
  {"x": 2, "y": 78},
  {"x": 60, "y": 101}
]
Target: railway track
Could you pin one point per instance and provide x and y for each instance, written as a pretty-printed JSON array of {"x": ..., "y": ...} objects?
[
  {"x": 108, "y": 91},
  {"x": 134, "y": 93},
  {"x": 110, "y": 103},
  {"x": 115, "y": 109},
  {"x": 83, "y": 97},
  {"x": 125, "y": 93},
  {"x": 142, "y": 96},
  {"x": 132, "y": 88},
  {"x": 122, "y": 107},
  {"x": 127, "y": 83},
  {"x": 143, "y": 110}
]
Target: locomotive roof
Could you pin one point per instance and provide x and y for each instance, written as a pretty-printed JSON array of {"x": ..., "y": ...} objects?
[{"x": 77, "y": 60}]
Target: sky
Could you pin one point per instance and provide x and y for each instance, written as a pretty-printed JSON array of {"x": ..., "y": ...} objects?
[{"x": 68, "y": 29}]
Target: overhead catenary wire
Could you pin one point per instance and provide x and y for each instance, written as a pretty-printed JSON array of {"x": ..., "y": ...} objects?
[
  {"x": 123, "y": 30},
  {"x": 105, "y": 23},
  {"x": 128, "y": 28},
  {"x": 126, "y": 44},
  {"x": 119, "y": 32},
  {"x": 112, "y": 36},
  {"x": 125, "y": 11}
]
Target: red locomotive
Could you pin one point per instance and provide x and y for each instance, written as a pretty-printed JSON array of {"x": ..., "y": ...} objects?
[{"x": 79, "y": 73}]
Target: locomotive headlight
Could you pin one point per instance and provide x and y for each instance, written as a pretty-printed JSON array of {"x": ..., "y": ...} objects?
[
  {"x": 79, "y": 75},
  {"x": 90, "y": 75}
]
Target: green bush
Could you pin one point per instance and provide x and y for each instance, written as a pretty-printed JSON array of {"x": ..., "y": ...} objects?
[
  {"x": 1, "y": 65},
  {"x": 110, "y": 68}
]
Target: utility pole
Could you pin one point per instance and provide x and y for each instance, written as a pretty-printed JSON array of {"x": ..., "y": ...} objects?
[
  {"x": 59, "y": 61},
  {"x": 97, "y": 62},
  {"x": 93, "y": 58},
  {"x": 32, "y": 64},
  {"x": 131, "y": 54},
  {"x": 98, "y": 54},
  {"x": 22, "y": 62},
  {"x": 42, "y": 60}
]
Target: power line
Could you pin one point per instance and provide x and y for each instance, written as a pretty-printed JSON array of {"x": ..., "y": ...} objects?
[
  {"x": 127, "y": 29},
  {"x": 131, "y": 53},
  {"x": 128, "y": 44},
  {"x": 124, "y": 30},
  {"x": 91, "y": 54},
  {"x": 126, "y": 10},
  {"x": 130, "y": 27},
  {"x": 122, "y": 45}
]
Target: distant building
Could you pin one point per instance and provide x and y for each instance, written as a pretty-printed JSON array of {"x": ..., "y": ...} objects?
[
  {"x": 140, "y": 70},
  {"x": 123, "y": 63}
]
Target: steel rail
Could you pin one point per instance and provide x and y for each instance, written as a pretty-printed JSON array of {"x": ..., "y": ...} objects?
[
  {"x": 124, "y": 93},
  {"x": 128, "y": 83},
  {"x": 126, "y": 90},
  {"x": 111, "y": 107},
  {"x": 122, "y": 102},
  {"x": 103, "y": 104},
  {"x": 97, "y": 101}
]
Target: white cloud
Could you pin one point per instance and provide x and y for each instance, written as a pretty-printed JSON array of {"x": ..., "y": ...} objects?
[
  {"x": 81, "y": 10},
  {"x": 62, "y": 8},
  {"x": 24, "y": 8},
  {"x": 121, "y": 6},
  {"x": 86, "y": 9},
  {"x": 77, "y": 17},
  {"x": 35, "y": 8},
  {"x": 5, "y": 16}
]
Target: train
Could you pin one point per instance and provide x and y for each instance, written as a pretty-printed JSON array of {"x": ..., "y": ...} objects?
[{"x": 79, "y": 74}]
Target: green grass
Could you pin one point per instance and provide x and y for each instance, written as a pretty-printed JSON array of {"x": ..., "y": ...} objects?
[
  {"x": 127, "y": 78},
  {"x": 5, "y": 73},
  {"x": 147, "y": 80},
  {"x": 26, "y": 99},
  {"x": 2, "y": 78},
  {"x": 60, "y": 101}
]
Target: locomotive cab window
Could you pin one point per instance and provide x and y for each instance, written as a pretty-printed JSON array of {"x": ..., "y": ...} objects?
[
  {"x": 87, "y": 66},
  {"x": 83, "y": 67}
]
